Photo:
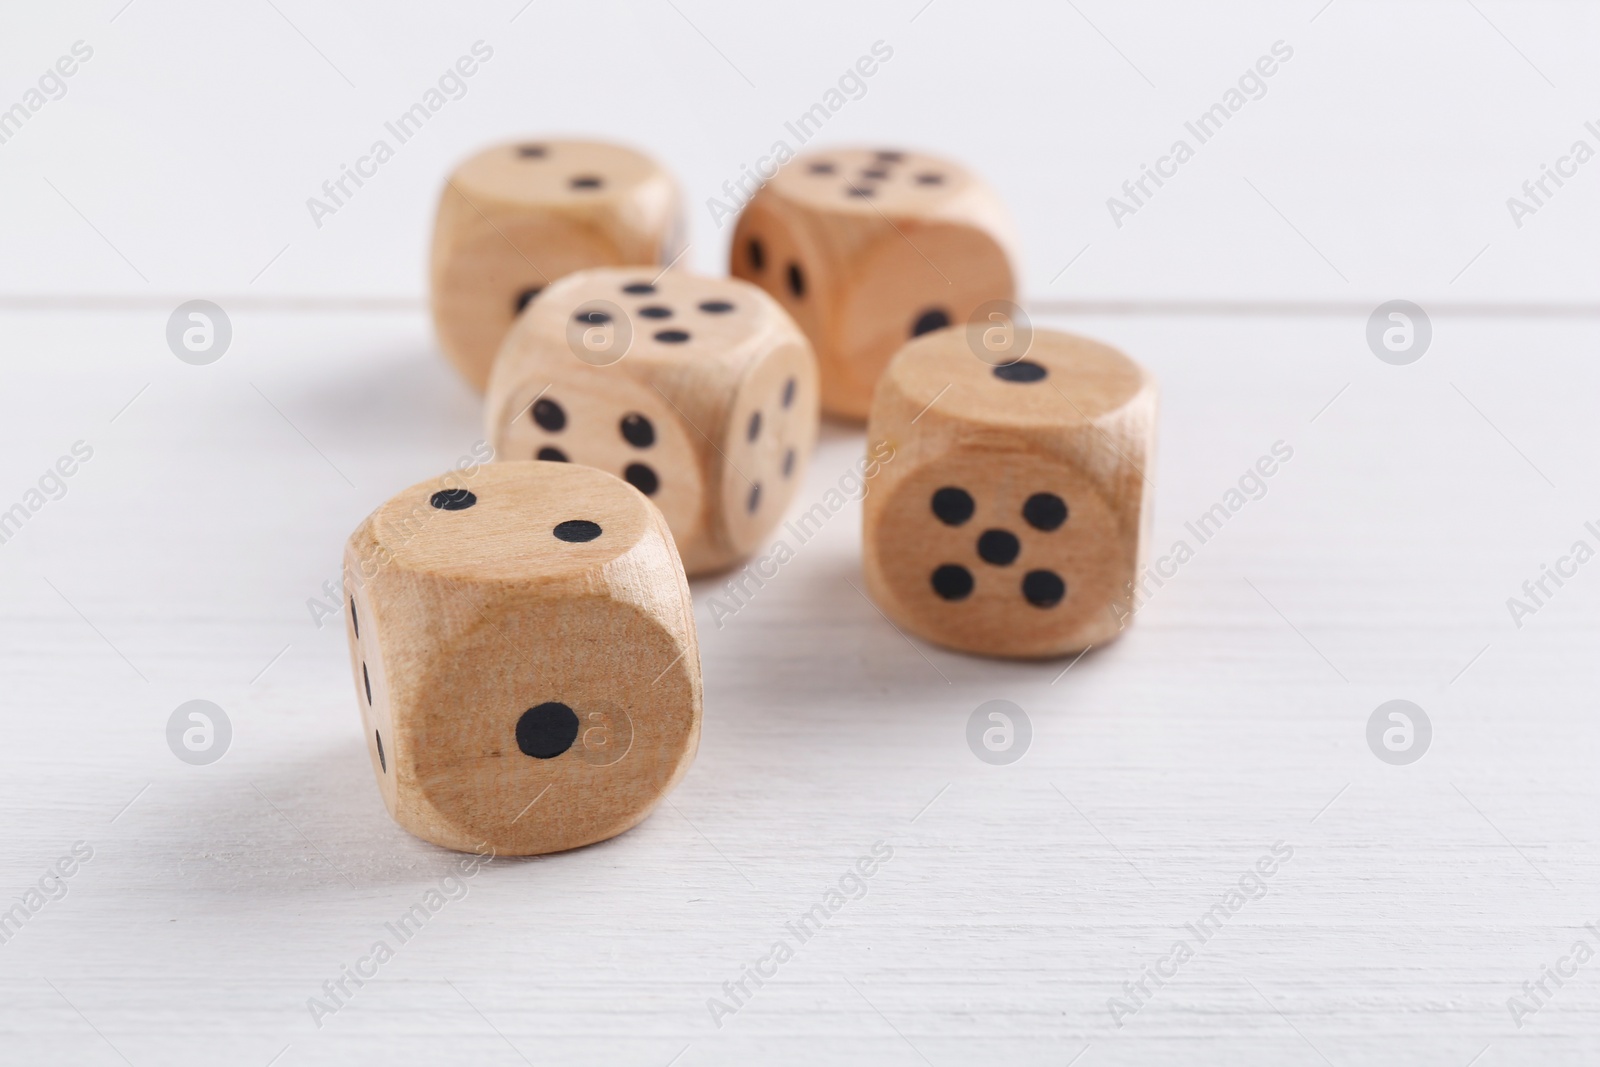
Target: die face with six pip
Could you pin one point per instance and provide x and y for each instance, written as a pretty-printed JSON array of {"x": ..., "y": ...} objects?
[
  {"x": 867, "y": 248},
  {"x": 516, "y": 217},
  {"x": 525, "y": 657},
  {"x": 700, "y": 392},
  {"x": 1013, "y": 520}
]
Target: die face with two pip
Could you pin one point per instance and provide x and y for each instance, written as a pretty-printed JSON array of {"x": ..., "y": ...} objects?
[
  {"x": 525, "y": 657},
  {"x": 700, "y": 392},
  {"x": 868, "y": 248},
  {"x": 516, "y": 217},
  {"x": 1014, "y": 518}
]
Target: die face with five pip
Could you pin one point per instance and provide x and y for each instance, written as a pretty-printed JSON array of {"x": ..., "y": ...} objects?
[
  {"x": 516, "y": 217},
  {"x": 867, "y": 248},
  {"x": 700, "y": 392},
  {"x": 1014, "y": 518},
  {"x": 525, "y": 657}
]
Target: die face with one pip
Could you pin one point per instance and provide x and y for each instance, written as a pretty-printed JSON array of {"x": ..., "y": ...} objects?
[
  {"x": 525, "y": 657},
  {"x": 1013, "y": 519},
  {"x": 700, "y": 392},
  {"x": 516, "y": 217},
  {"x": 867, "y": 248}
]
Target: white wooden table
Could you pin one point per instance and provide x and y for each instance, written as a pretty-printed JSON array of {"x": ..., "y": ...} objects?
[
  {"x": 1024, "y": 903},
  {"x": 1018, "y": 900}
]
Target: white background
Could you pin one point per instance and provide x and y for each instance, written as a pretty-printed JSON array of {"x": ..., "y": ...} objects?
[
  {"x": 1020, "y": 898},
  {"x": 1391, "y": 139}
]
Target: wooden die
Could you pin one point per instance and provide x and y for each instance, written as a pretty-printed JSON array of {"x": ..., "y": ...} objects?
[
  {"x": 525, "y": 657},
  {"x": 1013, "y": 519},
  {"x": 700, "y": 392},
  {"x": 516, "y": 217},
  {"x": 867, "y": 248}
]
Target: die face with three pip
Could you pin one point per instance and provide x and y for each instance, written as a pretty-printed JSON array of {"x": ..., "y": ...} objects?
[
  {"x": 1013, "y": 519},
  {"x": 525, "y": 657},
  {"x": 867, "y": 248},
  {"x": 700, "y": 392},
  {"x": 516, "y": 217}
]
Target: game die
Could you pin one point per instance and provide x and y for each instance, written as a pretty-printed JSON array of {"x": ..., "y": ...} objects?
[
  {"x": 1013, "y": 519},
  {"x": 867, "y": 248},
  {"x": 516, "y": 217},
  {"x": 700, "y": 392},
  {"x": 525, "y": 657}
]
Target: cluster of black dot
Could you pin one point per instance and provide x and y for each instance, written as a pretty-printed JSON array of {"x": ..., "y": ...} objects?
[
  {"x": 657, "y": 312},
  {"x": 752, "y": 432},
  {"x": 865, "y": 185},
  {"x": 636, "y": 429},
  {"x": 755, "y": 253},
  {"x": 572, "y": 530},
  {"x": 1045, "y": 512},
  {"x": 584, "y": 182},
  {"x": 786, "y": 400},
  {"x": 366, "y": 681},
  {"x": 926, "y": 320}
]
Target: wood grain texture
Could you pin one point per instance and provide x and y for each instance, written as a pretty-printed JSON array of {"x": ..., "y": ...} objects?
[
  {"x": 1019, "y": 898},
  {"x": 517, "y": 216},
  {"x": 528, "y": 654},
  {"x": 861, "y": 245},
  {"x": 701, "y": 391},
  {"x": 1014, "y": 517}
]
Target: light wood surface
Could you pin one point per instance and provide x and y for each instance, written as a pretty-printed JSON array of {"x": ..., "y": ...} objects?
[
  {"x": 517, "y": 216},
  {"x": 524, "y": 657},
  {"x": 866, "y": 247},
  {"x": 700, "y": 392},
  {"x": 1019, "y": 899},
  {"x": 1012, "y": 519}
]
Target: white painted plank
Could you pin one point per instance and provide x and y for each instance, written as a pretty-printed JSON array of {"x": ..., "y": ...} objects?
[
  {"x": 1019, "y": 899},
  {"x": 1376, "y": 163}
]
